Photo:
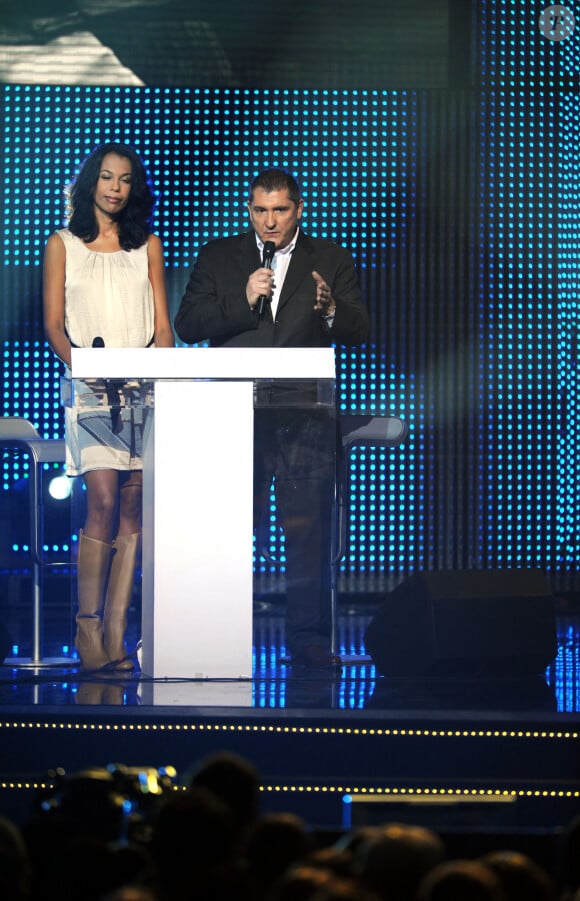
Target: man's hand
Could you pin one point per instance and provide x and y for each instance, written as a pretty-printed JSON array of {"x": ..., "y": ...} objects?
[
  {"x": 324, "y": 301},
  {"x": 260, "y": 284}
]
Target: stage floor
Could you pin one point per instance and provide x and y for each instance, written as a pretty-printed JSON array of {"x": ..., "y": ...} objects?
[{"x": 351, "y": 746}]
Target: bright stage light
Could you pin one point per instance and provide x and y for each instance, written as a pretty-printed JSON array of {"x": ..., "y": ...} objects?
[{"x": 60, "y": 487}]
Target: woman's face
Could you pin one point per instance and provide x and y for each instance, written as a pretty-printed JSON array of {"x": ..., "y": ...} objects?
[{"x": 113, "y": 184}]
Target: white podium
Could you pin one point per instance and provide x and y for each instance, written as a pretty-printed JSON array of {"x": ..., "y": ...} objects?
[{"x": 198, "y": 496}]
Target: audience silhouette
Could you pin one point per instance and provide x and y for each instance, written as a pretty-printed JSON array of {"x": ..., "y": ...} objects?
[
  {"x": 392, "y": 860},
  {"x": 522, "y": 879},
  {"x": 97, "y": 836},
  {"x": 235, "y": 782},
  {"x": 460, "y": 880}
]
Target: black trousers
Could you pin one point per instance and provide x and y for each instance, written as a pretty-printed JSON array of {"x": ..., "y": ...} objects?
[{"x": 296, "y": 449}]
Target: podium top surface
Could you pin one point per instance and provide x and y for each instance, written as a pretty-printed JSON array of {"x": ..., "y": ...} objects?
[{"x": 228, "y": 363}]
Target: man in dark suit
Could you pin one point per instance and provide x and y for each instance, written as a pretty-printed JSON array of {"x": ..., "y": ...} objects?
[{"x": 309, "y": 297}]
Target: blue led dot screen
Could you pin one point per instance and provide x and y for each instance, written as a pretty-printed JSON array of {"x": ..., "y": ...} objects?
[{"x": 437, "y": 140}]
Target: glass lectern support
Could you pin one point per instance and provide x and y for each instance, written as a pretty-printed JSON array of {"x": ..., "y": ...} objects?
[{"x": 197, "y": 495}]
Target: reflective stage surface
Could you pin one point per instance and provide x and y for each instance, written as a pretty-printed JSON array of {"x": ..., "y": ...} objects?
[
  {"x": 331, "y": 745},
  {"x": 491, "y": 684}
]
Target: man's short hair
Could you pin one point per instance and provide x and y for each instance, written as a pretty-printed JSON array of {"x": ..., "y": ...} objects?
[{"x": 276, "y": 180}]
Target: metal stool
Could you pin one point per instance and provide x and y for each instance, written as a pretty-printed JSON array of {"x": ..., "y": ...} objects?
[
  {"x": 17, "y": 432},
  {"x": 356, "y": 430}
]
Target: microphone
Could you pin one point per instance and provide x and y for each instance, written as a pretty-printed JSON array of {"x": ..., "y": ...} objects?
[
  {"x": 112, "y": 388},
  {"x": 267, "y": 258}
]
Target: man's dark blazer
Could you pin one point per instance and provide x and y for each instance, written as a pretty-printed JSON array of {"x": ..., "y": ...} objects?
[{"x": 215, "y": 308}]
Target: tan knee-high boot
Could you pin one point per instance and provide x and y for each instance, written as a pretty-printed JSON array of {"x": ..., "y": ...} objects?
[
  {"x": 92, "y": 568},
  {"x": 118, "y": 600}
]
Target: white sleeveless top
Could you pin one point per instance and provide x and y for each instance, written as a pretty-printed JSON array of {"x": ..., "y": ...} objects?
[{"x": 108, "y": 295}]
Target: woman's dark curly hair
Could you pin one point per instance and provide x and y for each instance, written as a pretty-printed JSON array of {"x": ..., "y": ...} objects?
[{"x": 134, "y": 220}]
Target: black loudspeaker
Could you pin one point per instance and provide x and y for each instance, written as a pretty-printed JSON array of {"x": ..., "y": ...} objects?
[{"x": 470, "y": 621}]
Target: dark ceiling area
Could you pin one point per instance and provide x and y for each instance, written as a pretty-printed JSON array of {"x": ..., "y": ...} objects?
[{"x": 330, "y": 44}]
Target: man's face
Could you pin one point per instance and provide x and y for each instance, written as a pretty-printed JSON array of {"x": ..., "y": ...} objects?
[{"x": 274, "y": 216}]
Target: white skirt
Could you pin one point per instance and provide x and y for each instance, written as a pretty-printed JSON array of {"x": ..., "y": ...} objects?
[{"x": 104, "y": 424}]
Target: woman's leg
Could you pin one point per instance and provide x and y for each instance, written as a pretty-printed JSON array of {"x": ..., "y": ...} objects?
[
  {"x": 94, "y": 557},
  {"x": 130, "y": 503},
  {"x": 102, "y": 503},
  {"x": 93, "y": 562},
  {"x": 125, "y": 553}
]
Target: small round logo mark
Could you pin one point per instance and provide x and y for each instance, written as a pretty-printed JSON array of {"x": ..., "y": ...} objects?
[{"x": 557, "y": 22}]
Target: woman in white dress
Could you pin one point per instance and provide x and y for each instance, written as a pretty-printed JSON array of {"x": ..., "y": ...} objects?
[{"x": 104, "y": 285}]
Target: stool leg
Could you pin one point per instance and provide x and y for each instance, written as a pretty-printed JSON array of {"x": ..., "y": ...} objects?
[
  {"x": 92, "y": 570},
  {"x": 36, "y": 524},
  {"x": 119, "y": 593}
]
